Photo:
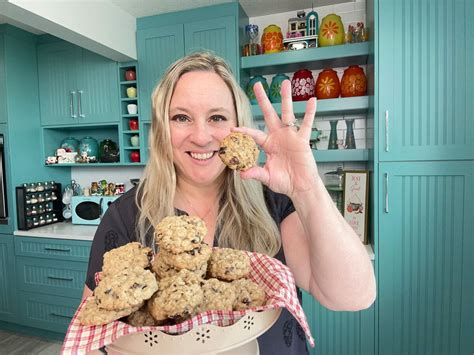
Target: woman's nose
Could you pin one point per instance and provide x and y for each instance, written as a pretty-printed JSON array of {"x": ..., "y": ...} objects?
[{"x": 202, "y": 134}]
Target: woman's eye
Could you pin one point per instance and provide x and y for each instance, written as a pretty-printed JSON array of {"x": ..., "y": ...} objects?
[
  {"x": 180, "y": 118},
  {"x": 218, "y": 118}
]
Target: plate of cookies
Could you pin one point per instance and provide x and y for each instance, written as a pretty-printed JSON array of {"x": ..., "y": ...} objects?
[{"x": 186, "y": 296}]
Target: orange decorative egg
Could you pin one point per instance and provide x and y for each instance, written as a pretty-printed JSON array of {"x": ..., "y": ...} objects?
[
  {"x": 272, "y": 39},
  {"x": 354, "y": 82},
  {"x": 327, "y": 85}
]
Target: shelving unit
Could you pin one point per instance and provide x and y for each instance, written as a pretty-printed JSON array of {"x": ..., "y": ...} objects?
[
  {"x": 127, "y": 149},
  {"x": 330, "y": 109}
]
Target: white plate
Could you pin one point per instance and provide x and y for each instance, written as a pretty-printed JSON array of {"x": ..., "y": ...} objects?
[{"x": 204, "y": 339}]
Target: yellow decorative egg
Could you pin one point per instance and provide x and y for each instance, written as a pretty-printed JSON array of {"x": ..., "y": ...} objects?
[{"x": 331, "y": 31}]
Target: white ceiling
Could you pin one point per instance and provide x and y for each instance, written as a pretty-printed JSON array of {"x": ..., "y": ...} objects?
[
  {"x": 141, "y": 8},
  {"x": 253, "y": 8}
]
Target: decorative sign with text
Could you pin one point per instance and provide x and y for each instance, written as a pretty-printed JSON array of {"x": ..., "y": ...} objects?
[{"x": 356, "y": 188}]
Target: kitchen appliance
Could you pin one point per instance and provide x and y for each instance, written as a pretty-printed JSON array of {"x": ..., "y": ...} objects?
[
  {"x": 3, "y": 195},
  {"x": 90, "y": 209}
]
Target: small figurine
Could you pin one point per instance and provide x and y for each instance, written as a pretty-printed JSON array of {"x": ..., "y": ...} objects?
[
  {"x": 110, "y": 189},
  {"x": 102, "y": 186},
  {"x": 297, "y": 25},
  {"x": 94, "y": 188}
]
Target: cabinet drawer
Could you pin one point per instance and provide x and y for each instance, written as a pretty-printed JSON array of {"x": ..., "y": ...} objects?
[
  {"x": 48, "y": 312},
  {"x": 53, "y": 277},
  {"x": 70, "y": 250}
]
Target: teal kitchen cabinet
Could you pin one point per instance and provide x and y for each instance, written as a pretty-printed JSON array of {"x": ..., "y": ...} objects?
[
  {"x": 425, "y": 258},
  {"x": 50, "y": 280},
  {"x": 426, "y": 79},
  {"x": 7, "y": 279},
  {"x": 163, "y": 39},
  {"x": 76, "y": 86},
  {"x": 340, "y": 333},
  {"x": 157, "y": 49}
]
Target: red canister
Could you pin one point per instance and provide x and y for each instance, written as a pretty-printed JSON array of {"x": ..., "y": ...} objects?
[
  {"x": 354, "y": 82},
  {"x": 327, "y": 85},
  {"x": 302, "y": 85}
]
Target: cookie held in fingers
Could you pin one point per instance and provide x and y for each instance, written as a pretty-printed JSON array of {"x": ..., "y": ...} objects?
[
  {"x": 177, "y": 234},
  {"x": 126, "y": 289},
  {"x": 238, "y": 151},
  {"x": 228, "y": 264}
]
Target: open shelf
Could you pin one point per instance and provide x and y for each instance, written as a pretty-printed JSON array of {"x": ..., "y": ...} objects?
[
  {"x": 330, "y": 107},
  {"x": 333, "y": 156},
  {"x": 310, "y": 58}
]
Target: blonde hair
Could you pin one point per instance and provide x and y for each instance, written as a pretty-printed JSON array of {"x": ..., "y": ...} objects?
[{"x": 243, "y": 221}]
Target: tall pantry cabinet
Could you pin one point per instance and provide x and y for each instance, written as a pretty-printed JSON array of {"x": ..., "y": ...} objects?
[{"x": 425, "y": 176}]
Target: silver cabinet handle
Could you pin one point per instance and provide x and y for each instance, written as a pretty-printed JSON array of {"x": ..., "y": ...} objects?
[
  {"x": 386, "y": 130},
  {"x": 386, "y": 192},
  {"x": 60, "y": 315},
  {"x": 71, "y": 104},
  {"x": 79, "y": 103}
]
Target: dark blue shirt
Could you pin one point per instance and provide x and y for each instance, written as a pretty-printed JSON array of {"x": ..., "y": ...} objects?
[{"x": 117, "y": 228}]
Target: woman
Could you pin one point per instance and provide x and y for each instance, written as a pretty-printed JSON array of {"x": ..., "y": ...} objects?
[{"x": 281, "y": 209}]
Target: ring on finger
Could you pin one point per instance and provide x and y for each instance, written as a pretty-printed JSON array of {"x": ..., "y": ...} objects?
[{"x": 293, "y": 123}]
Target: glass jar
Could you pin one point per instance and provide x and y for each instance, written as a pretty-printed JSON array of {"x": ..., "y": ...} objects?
[{"x": 333, "y": 180}]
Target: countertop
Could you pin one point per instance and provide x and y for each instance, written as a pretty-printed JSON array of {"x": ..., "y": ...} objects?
[
  {"x": 67, "y": 230},
  {"x": 63, "y": 230}
]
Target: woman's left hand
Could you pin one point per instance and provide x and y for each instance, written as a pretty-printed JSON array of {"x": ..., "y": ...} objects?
[{"x": 290, "y": 167}]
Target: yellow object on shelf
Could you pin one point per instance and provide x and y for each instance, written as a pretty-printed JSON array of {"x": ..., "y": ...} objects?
[
  {"x": 331, "y": 31},
  {"x": 272, "y": 39}
]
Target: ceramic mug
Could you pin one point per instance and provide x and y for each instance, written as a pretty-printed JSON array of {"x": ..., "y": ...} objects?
[
  {"x": 131, "y": 92},
  {"x": 132, "y": 109}
]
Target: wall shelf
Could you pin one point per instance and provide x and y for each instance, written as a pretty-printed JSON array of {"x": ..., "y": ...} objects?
[
  {"x": 310, "y": 58},
  {"x": 330, "y": 107},
  {"x": 333, "y": 156}
]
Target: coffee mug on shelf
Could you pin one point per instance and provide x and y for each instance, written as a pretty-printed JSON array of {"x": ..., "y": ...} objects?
[
  {"x": 132, "y": 109},
  {"x": 131, "y": 92}
]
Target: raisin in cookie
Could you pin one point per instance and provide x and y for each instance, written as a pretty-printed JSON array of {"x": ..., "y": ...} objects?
[
  {"x": 126, "y": 289},
  {"x": 228, "y": 264},
  {"x": 177, "y": 234},
  {"x": 178, "y": 297},
  {"x": 190, "y": 260},
  {"x": 131, "y": 254},
  {"x": 238, "y": 151},
  {"x": 163, "y": 270},
  {"x": 218, "y": 295},
  {"x": 91, "y": 314},
  {"x": 249, "y": 294}
]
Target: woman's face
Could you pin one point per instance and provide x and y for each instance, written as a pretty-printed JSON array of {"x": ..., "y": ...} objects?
[{"x": 201, "y": 114}]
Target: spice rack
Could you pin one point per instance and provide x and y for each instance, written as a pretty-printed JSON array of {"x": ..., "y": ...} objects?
[
  {"x": 38, "y": 204},
  {"x": 130, "y": 120}
]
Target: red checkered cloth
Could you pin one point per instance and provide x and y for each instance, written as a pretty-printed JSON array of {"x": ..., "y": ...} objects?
[{"x": 276, "y": 279}]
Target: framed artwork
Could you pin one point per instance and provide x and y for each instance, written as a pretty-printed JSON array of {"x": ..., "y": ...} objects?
[{"x": 356, "y": 199}]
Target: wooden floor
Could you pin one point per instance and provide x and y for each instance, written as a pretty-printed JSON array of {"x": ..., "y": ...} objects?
[{"x": 16, "y": 344}]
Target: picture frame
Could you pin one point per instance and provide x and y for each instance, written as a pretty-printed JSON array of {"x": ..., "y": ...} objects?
[{"x": 355, "y": 201}]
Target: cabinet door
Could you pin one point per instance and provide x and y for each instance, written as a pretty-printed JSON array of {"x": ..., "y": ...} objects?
[
  {"x": 425, "y": 263},
  {"x": 57, "y": 65},
  {"x": 7, "y": 279},
  {"x": 157, "y": 49},
  {"x": 217, "y": 35},
  {"x": 426, "y": 79},
  {"x": 98, "y": 89},
  {"x": 340, "y": 333}
]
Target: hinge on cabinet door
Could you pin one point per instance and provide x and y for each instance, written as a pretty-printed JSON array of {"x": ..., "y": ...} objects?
[
  {"x": 386, "y": 130},
  {"x": 71, "y": 103},
  {"x": 386, "y": 192}
]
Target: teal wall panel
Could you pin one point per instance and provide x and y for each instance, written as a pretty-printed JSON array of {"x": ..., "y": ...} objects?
[
  {"x": 425, "y": 71},
  {"x": 7, "y": 279},
  {"x": 426, "y": 270}
]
